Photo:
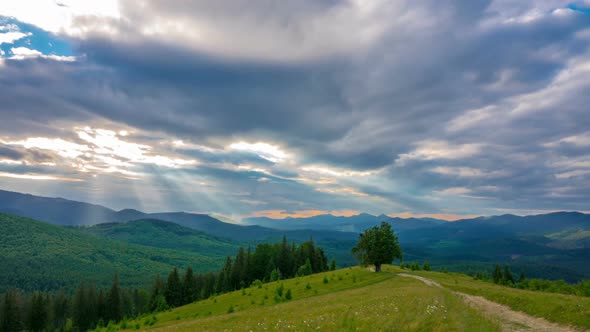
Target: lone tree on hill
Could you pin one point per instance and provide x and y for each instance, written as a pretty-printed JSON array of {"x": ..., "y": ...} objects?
[{"x": 377, "y": 245}]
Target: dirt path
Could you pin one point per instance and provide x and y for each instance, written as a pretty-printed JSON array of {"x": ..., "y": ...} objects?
[{"x": 509, "y": 319}]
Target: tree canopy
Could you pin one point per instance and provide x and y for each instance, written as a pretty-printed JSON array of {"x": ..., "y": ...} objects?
[{"x": 377, "y": 245}]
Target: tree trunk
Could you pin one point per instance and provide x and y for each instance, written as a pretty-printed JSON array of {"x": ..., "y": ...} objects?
[{"x": 377, "y": 267}]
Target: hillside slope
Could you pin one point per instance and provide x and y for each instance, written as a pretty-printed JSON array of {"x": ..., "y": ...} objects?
[
  {"x": 355, "y": 299},
  {"x": 163, "y": 234},
  {"x": 342, "y": 300},
  {"x": 40, "y": 256}
]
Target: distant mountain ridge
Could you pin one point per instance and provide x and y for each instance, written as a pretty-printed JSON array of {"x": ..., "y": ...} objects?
[
  {"x": 554, "y": 245},
  {"x": 355, "y": 224}
]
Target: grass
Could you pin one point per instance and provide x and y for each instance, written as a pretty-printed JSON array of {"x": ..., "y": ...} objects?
[
  {"x": 353, "y": 299},
  {"x": 559, "y": 308}
]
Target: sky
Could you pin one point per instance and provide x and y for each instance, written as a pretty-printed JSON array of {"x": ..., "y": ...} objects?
[{"x": 439, "y": 108}]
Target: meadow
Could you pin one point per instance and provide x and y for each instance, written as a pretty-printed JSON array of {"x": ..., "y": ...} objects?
[{"x": 352, "y": 299}]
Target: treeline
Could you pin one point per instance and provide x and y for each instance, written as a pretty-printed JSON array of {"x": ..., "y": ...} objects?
[
  {"x": 266, "y": 263},
  {"x": 415, "y": 266},
  {"x": 89, "y": 308},
  {"x": 85, "y": 309},
  {"x": 504, "y": 276}
]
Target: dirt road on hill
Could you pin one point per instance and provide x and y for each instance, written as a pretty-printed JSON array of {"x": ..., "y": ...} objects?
[{"x": 509, "y": 319}]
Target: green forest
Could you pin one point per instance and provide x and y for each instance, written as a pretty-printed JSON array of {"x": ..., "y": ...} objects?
[{"x": 90, "y": 307}]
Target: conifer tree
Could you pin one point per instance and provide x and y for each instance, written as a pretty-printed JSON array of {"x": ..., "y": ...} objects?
[
  {"x": 224, "y": 278},
  {"x": 333, "y": 265},
  {"x": 238, "y": 270},
  {"x": 173, "y": 289},
  {"x": 60, "y": 310},
  {"x": 10, "y": 320},
  {"x": 189, "y": 286},
  {"x": 497, "y": 275},
  {"x": 508, "y": 277},
  {"x": 101, "y": 306},
  {"x": 113, "y": 310},
  {"x": 305, "y": 269},
  {"x": 37, "y": 313},
  {"x": 157, "y": 298},
  {"x": 79, "y": 318},
  {"x": 91, "y": 305}
]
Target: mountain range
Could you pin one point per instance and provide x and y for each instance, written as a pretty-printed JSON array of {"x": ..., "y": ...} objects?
[{"x": 554, "y": 245}]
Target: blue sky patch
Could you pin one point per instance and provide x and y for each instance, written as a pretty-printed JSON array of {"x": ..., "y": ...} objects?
[
  {"x": 37, "y": 39},
  {"x": 579, "y": 8}
]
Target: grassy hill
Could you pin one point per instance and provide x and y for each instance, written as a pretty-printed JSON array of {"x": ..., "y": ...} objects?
[
  {"x": 343, "y": 300},
  {"x": 355, "y": 299},
  {"x": 40, "y": 256}
]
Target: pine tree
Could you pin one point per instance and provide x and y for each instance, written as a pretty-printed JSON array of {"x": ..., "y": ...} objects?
[
  {"x": 189, "y": 286},
  {"x": 426, "y": 266},
  {"x": 522, "y": 278},
  {"x": 333, "y": 265},
  {"x": 80, "y": 320},
  {"x": 60, "y": 310},
  {"x": 173, "y": 289},
  {"x": 508, "y": 277},
  {"x": 497, "y": 275},
  {"x": 248, "y": 271},
  {"x": 305, "y": 269},
  {"x": 101, "y": 306},
  {"x": 91, "y": 306},
  {"x": 10, "y": 320},
  {"x": 239, "y": 270},
  {"x": 37, "y": 313},
  {"x": 113, "y": 309},
  {"x": 284, "y": 259},
  {"x": 157, "y": 299},
  {"x": 224, "y": 277}
]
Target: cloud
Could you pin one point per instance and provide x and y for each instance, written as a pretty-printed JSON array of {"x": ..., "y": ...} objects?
[
  {"x": 266, "y": 151},
  {"x": 11, "y": 36},
  {"x": 20, "y": 53},
  {"x": 388, "y": 106}
]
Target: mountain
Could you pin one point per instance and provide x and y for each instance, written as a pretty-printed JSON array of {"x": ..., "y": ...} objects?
[
  {"x": 542, "y": 224},
  {"x": 163, "y": 234},
  {"x": 554, "y": 245},
  {"x": 355, "y": 224},
  {"x": 550, "y": 246},
  {"x": 39, "y": 256},
  {"x": 57, "y": 211}
]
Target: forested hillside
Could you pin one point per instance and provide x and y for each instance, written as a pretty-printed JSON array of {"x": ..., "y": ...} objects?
[{"x": 39, "y": 256}]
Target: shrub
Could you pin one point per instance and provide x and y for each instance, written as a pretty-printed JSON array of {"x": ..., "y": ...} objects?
[
  {"x": 279, "y": 290},
  {"x": 257, "y": 283}
]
